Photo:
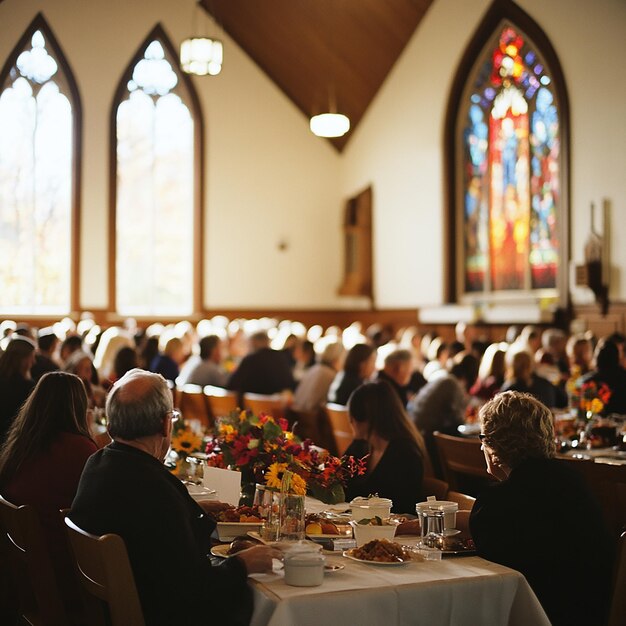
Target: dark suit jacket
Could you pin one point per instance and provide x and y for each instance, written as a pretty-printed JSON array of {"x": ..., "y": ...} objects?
[
  {"x": 128, "y": 492},
  {"x": 543, "y": 522},
  {"x": 265, "y": 371},
  {"x": 13, "y": 393},
  {"x": 398, "y": 476}
]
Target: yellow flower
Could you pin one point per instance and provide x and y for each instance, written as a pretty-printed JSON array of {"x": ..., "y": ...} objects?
[
  {"x": 274, "y": 475},
  {"x": 596, "y": 405},
  {"x": 186, "y": 441},
  {"x": 298, "y": 485},
  {"x": 242, "y": 416},
  {"x": 228, "y": 432},
  {"x": 289, "y": 435}
]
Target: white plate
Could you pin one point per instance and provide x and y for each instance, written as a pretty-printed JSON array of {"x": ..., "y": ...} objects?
[
  {"x": 221, "y": 551},
  {"x": 331, "y": 569},
  {"x": 227, "y": 531},
  {"x": 348, "y": 555}
]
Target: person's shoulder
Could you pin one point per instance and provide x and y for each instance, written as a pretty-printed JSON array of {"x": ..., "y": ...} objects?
[{"x": 77, "y": 442}]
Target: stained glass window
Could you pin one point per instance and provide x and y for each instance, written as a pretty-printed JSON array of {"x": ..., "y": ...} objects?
[
  {"x": 509, "y": 131},
  {"x": 155, "y": 188},
  {"x": 36, "y": 178}
]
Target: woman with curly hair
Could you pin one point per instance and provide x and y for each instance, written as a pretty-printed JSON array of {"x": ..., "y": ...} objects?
[{"x": 540, "y": 518}]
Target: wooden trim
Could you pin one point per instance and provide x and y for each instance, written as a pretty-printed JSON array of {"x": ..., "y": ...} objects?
[
  {"x": 39, "y": 23},
  {"x": 498, "y": 11},
  {"x": 159, "y": 33}
]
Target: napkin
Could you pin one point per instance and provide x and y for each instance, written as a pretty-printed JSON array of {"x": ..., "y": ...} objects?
[{"x": 226, "y": 483}]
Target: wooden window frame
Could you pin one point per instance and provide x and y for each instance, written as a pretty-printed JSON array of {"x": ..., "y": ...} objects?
[
  {"x": 499, "y": 12},
  {"x": 159, "y": 33},
  {"x": 40, "y": 23}
]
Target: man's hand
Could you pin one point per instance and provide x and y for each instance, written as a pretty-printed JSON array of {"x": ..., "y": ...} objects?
[{"x": 259, "y": 558}]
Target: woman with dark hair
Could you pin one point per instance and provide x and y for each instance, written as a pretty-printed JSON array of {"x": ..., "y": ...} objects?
[
  {"x": 609, "y": 372},
  {"x": 125, "y": 360},
  {"x": 538, "y": 510},
  {"x": 43, "y": 458},
  {"x": 15, "y": 379},
  {"x": 383, "y": 431},
  {"x": 358, "y": 367}
]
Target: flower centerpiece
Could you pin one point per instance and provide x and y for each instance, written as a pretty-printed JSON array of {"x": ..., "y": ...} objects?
[
  {"x": 593, "y": 398},
  {"x": 185, "y": 442},
  {"x": 263, "y": 449}
]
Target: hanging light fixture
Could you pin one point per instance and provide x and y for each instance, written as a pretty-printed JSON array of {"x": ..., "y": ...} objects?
[
  {"x": 201, "y": 55},
  {"x": 331, "y": 124}
]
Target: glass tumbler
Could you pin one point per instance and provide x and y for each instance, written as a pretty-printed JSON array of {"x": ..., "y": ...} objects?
[{"x": 432, "y": 522}]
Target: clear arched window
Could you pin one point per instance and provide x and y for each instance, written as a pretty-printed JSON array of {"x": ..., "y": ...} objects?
[
  {"x": 39, "y": 117},
  {"x": 156, "y": 124},
  {"x": 510, "y": 207}
]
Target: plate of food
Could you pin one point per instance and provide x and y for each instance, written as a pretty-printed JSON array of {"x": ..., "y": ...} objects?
[
  {"x": 226, "y": 550},
  {"x": 232, "y": 523},
  {"x": 457, "y": 546},
  {"x": 380, "y": 552},
  {"x": 322, "y": 527}
]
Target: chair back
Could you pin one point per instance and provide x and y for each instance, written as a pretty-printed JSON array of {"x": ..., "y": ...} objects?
[
  {"x": 221, "y": 401},
  {"x": 105, "y": 572},
  {"x": 608, "y": 485},
  {"x": 340, "y": 424},
  {"x": 258, "y": 403},
  {"x": 435, "y": 487},
  {"x": 464, "y": 501},
  {"x": 460, "y": 457},
  {"x": 617, "y": 616},
  {"x": 194, "y": 405},
  {"x": 40, "y": 602}
]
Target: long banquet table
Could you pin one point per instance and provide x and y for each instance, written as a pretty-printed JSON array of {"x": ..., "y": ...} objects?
[{"x": 456, "y": 591}]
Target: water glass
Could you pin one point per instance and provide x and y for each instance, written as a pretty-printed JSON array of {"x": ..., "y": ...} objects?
[{"x": 432, "y": 522}]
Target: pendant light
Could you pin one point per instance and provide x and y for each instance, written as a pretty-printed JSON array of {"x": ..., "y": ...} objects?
[
  {"x": 201, "y": 55},
  {"x": 332, "y": 123}
]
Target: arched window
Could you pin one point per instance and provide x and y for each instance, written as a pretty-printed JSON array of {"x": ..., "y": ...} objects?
[
  {"x": 507, "y": 126},
  {"x": 156, "y": 147},
  {"x": 39, "y": 177}
]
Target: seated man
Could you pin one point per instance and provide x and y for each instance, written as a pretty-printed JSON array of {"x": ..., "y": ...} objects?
[
  {"x": 397, "y": 372},
  {"x": 264, "y": 370},
  {"x": 205, "y": 369},
  {"x": 126, "y": 490}
]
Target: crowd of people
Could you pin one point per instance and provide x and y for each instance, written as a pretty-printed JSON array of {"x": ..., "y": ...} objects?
[{"x": 398, "y": 391}]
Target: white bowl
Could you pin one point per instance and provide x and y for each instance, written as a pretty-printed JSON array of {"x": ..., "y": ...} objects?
[
  {"x": 367, "y": 508},
  {"x": 363, "y": 533}
]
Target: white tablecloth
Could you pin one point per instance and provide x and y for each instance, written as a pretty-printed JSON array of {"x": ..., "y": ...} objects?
[{"x": 464, "y": 591}]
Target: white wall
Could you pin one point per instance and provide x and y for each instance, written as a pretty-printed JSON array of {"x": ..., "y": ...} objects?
[
  {"x": 267, "y": 176},
  {"x": 398, "y": 145}
]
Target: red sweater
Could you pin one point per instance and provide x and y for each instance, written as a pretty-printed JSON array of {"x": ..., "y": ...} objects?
[{"x": 48, "y": 483}]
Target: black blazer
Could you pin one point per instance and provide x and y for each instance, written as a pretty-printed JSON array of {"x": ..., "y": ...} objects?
[
  {"x": 543, "y": 522},
  {"x": 128, "y": 492},
  {"x": 265, "y": 371}
]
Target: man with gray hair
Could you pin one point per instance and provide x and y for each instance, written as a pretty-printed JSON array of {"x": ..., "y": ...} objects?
[
  {"x": 397, "y": 372},
  {"x": 126, "y": 490}
]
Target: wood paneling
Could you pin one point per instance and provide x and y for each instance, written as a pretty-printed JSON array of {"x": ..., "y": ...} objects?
[{"x": 310, "y": 46}]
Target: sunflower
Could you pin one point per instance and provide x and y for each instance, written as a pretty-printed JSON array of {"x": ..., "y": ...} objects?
[
  {"x": 186, "y": 441},
  {"x": 298, "y": 485},
  {"x": 274, "y": 475}
]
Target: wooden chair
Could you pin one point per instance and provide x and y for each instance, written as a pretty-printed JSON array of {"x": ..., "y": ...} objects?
[
  {"x": 194, "y": 405},
  {"x": 617, "y": 616},
  {"x": 464, "y": 501},
  {"x": 40, "y": 603},
  {"x": 435, "y": 487},
  {"x": 105, "y": 573},
  {"x": 340, "y": 424},
  {"x": 221, "y": 401},
  {"x": 608, "y": 485},
  {"x": 461, "y": 458},
  {"x": 258, "y": 403}
]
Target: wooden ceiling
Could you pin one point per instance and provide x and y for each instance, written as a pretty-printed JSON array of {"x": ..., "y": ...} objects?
[{"x": 320, "y": 50}]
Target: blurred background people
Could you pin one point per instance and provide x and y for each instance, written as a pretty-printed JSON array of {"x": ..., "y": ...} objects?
[
  {"x": 205, "y": 368},
  {"x": 359, "y": 366},
  {"x": 397, "y": 371},
  {"x": 15, "y": 379},
  {"x": 47, "y": 343}
]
